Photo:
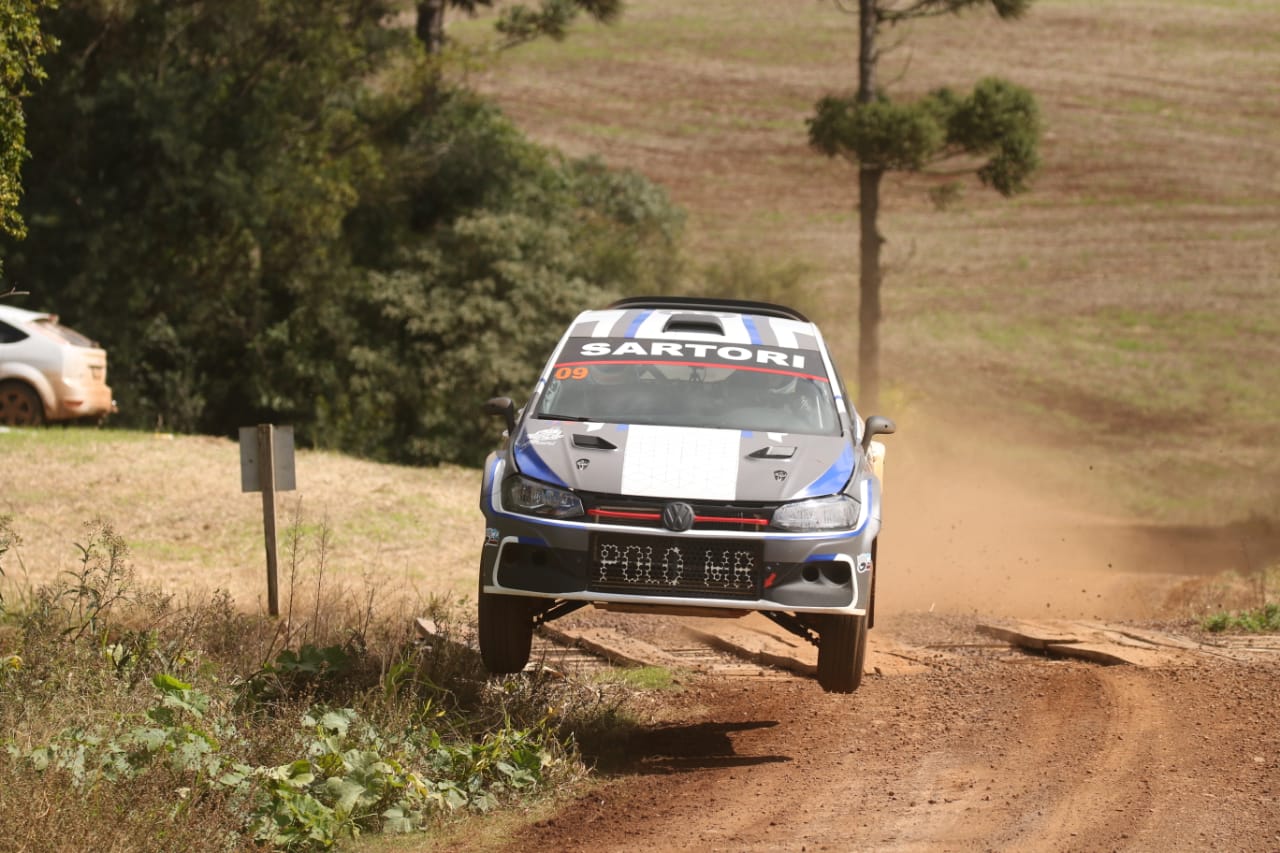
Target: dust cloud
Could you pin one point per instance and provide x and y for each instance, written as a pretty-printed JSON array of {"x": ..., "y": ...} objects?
[{"x": 974, "y": 525}]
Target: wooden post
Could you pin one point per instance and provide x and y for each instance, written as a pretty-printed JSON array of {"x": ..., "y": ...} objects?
[{"x": 267, "y": 481}]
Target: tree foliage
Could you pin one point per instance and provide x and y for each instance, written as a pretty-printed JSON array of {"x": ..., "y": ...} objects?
[
  {"x": 516, "y": 23},
  {"x": 998, "y": 120},
  {"x": 997, "y": 123},
  {"x": 22, "y": 44},
  {"x": 277, "y": 212}
]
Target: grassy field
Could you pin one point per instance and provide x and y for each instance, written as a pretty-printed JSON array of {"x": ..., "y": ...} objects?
[
  {"x": 401, "y": 535},
  {"x": 1123, "y": 318}
]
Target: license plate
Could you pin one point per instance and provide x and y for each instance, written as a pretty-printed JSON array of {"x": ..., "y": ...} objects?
[{"x": 720, "y": 568}]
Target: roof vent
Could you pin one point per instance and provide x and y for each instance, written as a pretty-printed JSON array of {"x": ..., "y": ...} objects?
[{"x": 702, "y": 323}]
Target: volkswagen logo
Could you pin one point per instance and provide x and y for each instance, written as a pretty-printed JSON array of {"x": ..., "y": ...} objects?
[{"x": 677, "y": 516}]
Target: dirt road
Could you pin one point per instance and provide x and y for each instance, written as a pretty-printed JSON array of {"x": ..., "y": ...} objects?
[
  {"x": 985, "y": 749},
  {"x": 958, "y": 742}
]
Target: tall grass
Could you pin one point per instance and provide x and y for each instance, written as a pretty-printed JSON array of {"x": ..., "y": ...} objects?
[{"x": 132, "y": 721}]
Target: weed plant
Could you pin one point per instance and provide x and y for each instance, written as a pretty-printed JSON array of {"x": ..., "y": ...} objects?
[
  {"x": 1259, "y": 620},
  {"x": 129, "y": 721}
]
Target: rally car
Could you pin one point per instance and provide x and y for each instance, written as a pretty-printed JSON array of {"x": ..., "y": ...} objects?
[{"x": 685, "y": 456}]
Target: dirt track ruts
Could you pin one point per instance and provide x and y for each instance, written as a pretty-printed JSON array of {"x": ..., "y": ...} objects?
[{"x": 991, "y": 751}]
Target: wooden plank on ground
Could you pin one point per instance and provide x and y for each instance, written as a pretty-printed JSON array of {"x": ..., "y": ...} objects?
[
  {"x": 1155, "y": 638},
  {"x": 759, "y": 647},
  {"x": 1030, "y": 635},
  {"x": 429, "y": 630},
  {"x": 1111, "y": 654},
  {"x": 613, "y": 645},
  {"x": 1099, "y": 642}
]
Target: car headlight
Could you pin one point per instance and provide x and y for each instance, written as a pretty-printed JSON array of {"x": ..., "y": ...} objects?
[
  {"x": 529, "y": 496},
  {"x": 837, "y": 513}
]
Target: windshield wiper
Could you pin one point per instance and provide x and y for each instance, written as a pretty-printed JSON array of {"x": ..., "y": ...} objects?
[{"x": 551, "y": 417}]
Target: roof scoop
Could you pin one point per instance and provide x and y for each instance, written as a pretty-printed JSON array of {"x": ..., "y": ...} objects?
[
  {"x": 592, "y": 442},
  {"x": 773, "y": 451},
  {"x": 702, "y": 323}
]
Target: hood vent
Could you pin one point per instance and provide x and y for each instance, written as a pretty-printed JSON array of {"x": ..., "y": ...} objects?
[
  {"x": 700, "y": 323},
  {"x": 773, "y": 452},
  {"x": 592, "y": 442}
]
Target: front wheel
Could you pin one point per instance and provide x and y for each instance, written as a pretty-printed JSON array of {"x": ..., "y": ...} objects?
[
  {"x": 506, "y": 631},
  {"x": 842, "y": 649}
]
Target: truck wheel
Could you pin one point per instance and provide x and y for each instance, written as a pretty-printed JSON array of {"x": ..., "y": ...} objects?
[
  {"x": 20, "y": 405},
  {"x": 842, "y": 649},
  {"x": 506, "y": 631}
]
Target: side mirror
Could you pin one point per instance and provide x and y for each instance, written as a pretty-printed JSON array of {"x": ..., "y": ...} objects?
[
  {"x": 502, "y": 406},
  {"x": 876, "y": 425}
]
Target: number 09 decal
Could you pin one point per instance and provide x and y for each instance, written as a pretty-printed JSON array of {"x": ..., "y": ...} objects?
[{"x": 570, "y": 373}]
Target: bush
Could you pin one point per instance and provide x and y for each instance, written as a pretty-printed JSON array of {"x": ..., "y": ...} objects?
[
  {"x": 1260, "y": 620},
  {"x": 144, "y": 725}
]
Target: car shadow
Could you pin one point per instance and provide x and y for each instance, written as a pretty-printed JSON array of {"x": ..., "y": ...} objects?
[{"x": 681, "y": 749}]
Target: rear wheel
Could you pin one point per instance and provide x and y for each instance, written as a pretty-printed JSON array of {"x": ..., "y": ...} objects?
[
  {"x": 20, "y": 405},
  {"x": 506, "y": 631},
  {"x": 842, "y": 649}
]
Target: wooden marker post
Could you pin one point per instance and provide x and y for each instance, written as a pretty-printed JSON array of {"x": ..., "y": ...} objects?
[
  {"x": 266, "y": 465},
  {"x": 267, "y": 481}
]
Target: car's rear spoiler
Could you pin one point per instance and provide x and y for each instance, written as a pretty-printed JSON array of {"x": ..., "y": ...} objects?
[{"x": 693, "y": 303}]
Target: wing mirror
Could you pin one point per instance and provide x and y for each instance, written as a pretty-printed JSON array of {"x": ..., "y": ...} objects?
[
  {"x": 504, "y": 407},
  {"x": 876, "y": 425}
]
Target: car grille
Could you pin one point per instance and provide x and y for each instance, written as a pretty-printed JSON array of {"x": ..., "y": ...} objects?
[{"x": 622, "y": 512}]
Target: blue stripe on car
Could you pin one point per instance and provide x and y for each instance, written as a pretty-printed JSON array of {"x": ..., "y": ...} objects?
[
  {"x": 529, "y": 462},
  {"x": 635, "y": 324},
  {"x": 833, "y": 479},
  {"x": 750, "y": 323}
]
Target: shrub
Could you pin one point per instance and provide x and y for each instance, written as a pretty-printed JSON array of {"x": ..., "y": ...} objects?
[{"x": 145, "y": 725}]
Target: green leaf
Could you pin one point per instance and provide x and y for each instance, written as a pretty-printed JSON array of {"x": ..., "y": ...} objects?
[
  {"x": 346, "y": 794},
  {"x": 169, "y": 685},
  {"x": 401, "y": 819}
]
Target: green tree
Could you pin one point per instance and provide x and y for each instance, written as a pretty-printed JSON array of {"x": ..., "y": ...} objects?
[
  {"x": 517, "y": 22},
  {"x": 193, "y": 165},
  {"x": 278, "y": 211},
  {"x": 22, "y": 43},
  {"x": 498, "y": 244},
  {"x": 998, "y": 121}
]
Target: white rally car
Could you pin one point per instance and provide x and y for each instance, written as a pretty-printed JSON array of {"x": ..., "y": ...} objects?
[{"x": 689, "y": 456}]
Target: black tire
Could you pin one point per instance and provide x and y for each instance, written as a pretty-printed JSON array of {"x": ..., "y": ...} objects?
[
  {"x": 842, "y": 649},
  {"x": 506, "y": 631},
  {"x": 20, "y": 405}
]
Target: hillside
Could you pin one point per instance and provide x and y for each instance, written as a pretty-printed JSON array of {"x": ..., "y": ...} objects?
[{"x": 1123, "y": 315}]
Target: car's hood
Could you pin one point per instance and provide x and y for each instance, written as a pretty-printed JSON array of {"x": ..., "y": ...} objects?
[{"x": 683, "y": 462}]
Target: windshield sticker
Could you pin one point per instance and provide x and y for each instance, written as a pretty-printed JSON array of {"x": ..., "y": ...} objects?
[{"x": 583, "y": 352}]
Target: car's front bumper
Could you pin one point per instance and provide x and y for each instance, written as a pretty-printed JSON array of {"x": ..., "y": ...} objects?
[{"x": 824, "y": 572}]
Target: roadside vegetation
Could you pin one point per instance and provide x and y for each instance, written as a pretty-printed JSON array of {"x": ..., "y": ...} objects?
[
  {"x": 143, "y": 723},
  {"x": 1259, "y": 620},
  {"x": 1259, "y": 612},
  {"x": 271, "y": 216}
]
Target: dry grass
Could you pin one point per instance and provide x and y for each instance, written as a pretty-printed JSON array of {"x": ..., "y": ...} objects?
[
  {"x": 400, "y": 534},
  {"x": 1125, "y": 312}
]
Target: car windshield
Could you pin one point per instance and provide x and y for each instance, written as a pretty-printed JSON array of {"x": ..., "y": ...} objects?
[{"x": 676, "y": 391}]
